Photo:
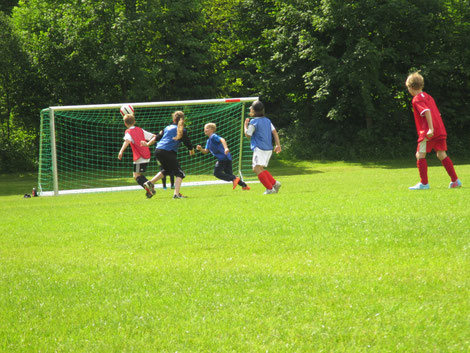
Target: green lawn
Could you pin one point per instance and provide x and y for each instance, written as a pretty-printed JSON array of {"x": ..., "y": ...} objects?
[{"x": 344, "y": 259}]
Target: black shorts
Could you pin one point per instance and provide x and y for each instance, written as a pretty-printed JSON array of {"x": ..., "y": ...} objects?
[
  {"x": 140, "y": 167},
  {"x": 169, "y": 163}
]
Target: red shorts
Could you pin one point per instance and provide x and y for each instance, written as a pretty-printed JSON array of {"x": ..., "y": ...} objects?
[{"x": 429, "y": 145}]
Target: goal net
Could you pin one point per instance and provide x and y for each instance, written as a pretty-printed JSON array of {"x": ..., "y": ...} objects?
[{"x": 79, "y": 145}]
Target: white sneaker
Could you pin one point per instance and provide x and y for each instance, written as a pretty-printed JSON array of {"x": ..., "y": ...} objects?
[
  {"x": 419, "y": 186},
  {"x": 277, "y": 186},
  {"x": 269, "y": 191}
]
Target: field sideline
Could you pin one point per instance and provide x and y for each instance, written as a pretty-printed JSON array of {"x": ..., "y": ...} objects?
[{"x": 344, "y": 259}]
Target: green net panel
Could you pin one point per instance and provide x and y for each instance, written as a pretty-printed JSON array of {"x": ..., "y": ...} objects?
[{"x": 79, "y": 145}]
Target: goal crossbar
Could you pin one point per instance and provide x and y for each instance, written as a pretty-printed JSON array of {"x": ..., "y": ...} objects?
[{"x": 156, "y": 104}]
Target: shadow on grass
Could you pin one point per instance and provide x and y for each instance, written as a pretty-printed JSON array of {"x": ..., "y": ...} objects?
[
  {"x": 283, "y": 167},
  {"x": 403, "y": 163},
  {"x": 17, "y": 184}
]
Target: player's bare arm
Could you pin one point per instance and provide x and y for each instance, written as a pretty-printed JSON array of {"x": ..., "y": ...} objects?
[
  {"x": 428, "y": 116},
  {"x": 202, "y": 150},
  {"x": 277, "y": 147},
  {"x": 247, "y": 121},
  {"x": 224, "y": 143},
  {"x": 123, "y": 148}
]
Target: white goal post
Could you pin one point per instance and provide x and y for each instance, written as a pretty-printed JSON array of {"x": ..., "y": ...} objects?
[{"x": 79, "y": 144}]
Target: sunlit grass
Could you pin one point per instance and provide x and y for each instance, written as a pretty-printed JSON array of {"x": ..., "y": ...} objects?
[{"x": 344, "y": 258}]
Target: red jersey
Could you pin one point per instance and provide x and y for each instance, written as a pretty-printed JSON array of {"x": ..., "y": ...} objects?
[
  {"x": 423, "y": 102},
  {"x": 138, "y": 151}
]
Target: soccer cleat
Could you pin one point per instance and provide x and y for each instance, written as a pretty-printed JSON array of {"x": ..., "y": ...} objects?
[
  {"x": 419, "y": 186},
  {"x": 172, "y": 186},
  {"x": 269, "y": 191},
  {"x": 149, "y": 187},
  {"x": 246, "y": 188},
  {"x": 179, "y": 196},
  {"x": 455, "y": 184},
  {"x": 149, "y": 195},
  {"x": 235, "y": 182},
  {"x": 277, "y": 186}
]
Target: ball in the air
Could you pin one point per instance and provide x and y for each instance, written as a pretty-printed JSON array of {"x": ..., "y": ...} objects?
[{"x": 127, "y": 109}]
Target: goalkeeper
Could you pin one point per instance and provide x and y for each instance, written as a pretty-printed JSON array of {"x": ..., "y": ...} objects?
[
  {"x": 170, "y": 139},
  {"x": 219, "y": 149},
  {"x": 134, "y": 136}
]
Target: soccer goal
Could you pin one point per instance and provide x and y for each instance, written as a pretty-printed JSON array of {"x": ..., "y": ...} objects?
[{"x": 79, "y": 145}]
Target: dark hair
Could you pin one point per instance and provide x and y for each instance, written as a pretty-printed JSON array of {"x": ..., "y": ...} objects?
[{"x": 258, "y": 108}]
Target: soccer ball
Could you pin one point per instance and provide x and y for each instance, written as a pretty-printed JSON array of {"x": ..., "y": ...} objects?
[{"x": 127, "y": 109}]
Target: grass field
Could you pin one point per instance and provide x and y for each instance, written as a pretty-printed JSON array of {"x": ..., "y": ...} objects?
[{"x": 344, "y": 259}]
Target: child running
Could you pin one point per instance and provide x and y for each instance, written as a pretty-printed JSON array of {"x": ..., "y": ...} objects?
[
  {"x": 219, "y": 149},
  {"x": 261, "y": 131},
  {"x": 169, "y": 141},
  {"x": 134, "y": 136},
  {"x": 431, "y": 133}
]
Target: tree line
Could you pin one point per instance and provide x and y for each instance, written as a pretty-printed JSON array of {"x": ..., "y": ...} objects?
[{"x": 330, "y": 72}]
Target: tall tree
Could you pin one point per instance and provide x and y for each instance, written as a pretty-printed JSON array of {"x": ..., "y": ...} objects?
[{"x": 99, "y": 51}]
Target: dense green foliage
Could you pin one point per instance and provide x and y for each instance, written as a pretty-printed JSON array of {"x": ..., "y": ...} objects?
[{"x": 331, "y": 72}]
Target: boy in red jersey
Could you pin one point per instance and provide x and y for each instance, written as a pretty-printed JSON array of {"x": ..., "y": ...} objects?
[
  {"x": 431, "y": 133},
  {"x": 134, "y": 136}
]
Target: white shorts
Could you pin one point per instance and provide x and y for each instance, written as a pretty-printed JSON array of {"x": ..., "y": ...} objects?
[{"x": 261, "y": 157}]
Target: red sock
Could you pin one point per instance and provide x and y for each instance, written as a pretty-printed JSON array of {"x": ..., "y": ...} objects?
[
  {"x": 265, "y": 180},
  {"x": 449, "y": 166},
  {"x": 270, "y": 177},
  {"x": 423, "y": 170}
]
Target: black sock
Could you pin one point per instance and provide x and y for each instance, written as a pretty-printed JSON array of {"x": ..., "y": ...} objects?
[
  {"x": 141, "y": 180},
  {"x": 242, "y": 184}
]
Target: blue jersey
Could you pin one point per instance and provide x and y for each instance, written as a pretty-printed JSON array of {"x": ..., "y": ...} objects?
[
  {"x": 167, "y": 143},
  {"x": 215, "y": 146},
  {"x": 262, "y": 136}
]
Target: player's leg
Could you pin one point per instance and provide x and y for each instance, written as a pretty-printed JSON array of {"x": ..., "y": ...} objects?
[
  {"x": 175, "y": 169},
  {"x": 422, "y": 165},
  {"x": 161, "y": 157},
  {"x": 447, "y": 164},
  {"x": 220, "y": 171},
  {"x": 260, "y": 161},
  {"x": 164, "y": 182}
]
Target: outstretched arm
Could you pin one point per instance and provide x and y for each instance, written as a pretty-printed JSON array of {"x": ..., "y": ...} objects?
[
  {"x": 187, "y": 142},
  {"x": 150, "y": 142},
  {"x": 202, "y": 150}
]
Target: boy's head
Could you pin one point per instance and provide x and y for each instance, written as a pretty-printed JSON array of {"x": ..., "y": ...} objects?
[
  {"x": 414, "y": 82},
  {"x": 209, "y": 129},
  {"x": 129, "y": 120},
  {"x": 257, "y": 109}
]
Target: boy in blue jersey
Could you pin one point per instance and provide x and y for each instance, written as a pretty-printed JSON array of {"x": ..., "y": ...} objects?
[
  {"x": 261, "y": 132},
  {"x": 170, "y": 139},
  {"x": 219, "y": 149}
]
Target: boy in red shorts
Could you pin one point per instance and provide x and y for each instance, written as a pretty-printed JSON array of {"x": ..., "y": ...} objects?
[{"x": 432, "y": 134}]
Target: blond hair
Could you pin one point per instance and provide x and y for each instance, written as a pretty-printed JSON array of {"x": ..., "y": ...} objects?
[
  {"x": 129, "y": 119},
  {"x": 178, "y": 118},
  {"x": 415, "y": 81},
  {"x": 211, "y": 126}
]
